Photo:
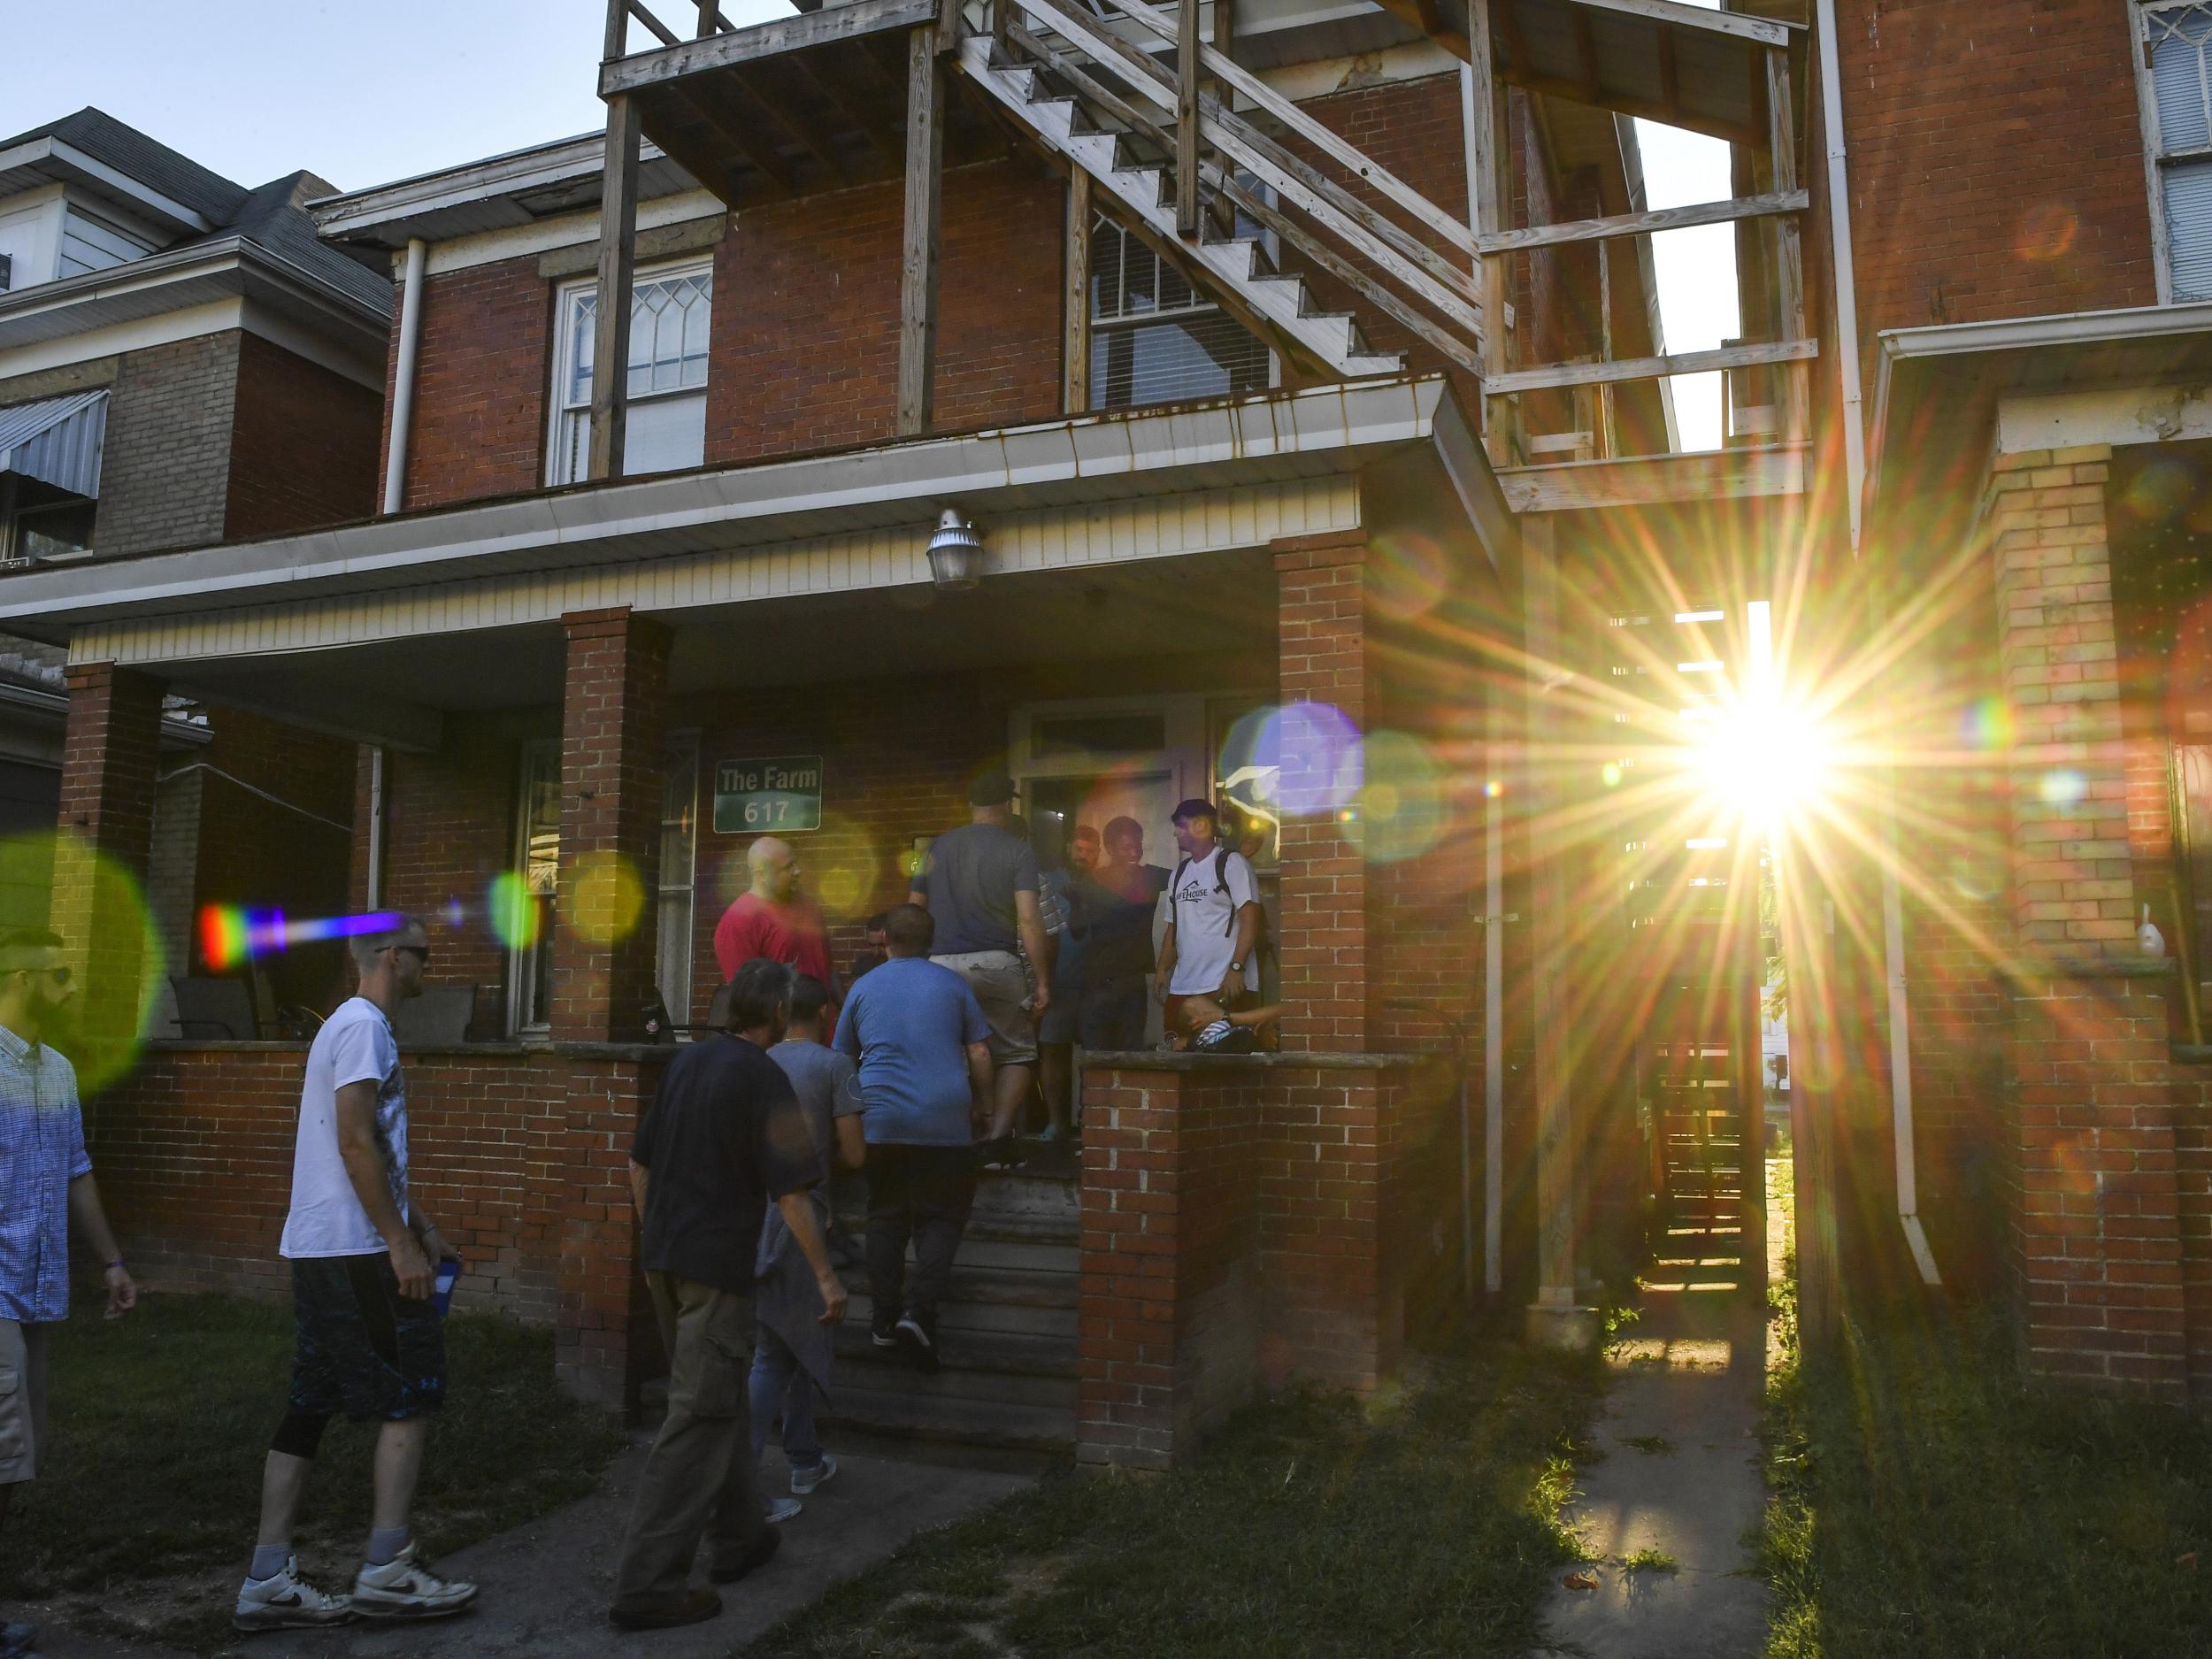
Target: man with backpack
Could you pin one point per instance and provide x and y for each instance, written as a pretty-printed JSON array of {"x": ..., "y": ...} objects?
[{"x": 1212, "y": 945}]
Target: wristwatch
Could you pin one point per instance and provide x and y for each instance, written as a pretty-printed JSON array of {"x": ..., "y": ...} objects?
[{"x": 1236, "y": 967}]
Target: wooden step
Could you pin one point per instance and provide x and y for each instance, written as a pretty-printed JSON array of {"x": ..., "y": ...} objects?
[
  {"x": 912, "y": 1414},
  {"x": 962, "y": 1349}
]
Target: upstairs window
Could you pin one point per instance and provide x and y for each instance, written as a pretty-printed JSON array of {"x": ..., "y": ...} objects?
[
  {"x": 2178, "y": 121},
  {"x": 670, "y": 311},
  {"x": 1156, "y": 339}
]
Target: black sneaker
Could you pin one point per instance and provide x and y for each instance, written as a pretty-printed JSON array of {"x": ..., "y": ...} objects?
[
  {"x": 883, "y": 1333},
  {"x": 921, "y": 1346}
]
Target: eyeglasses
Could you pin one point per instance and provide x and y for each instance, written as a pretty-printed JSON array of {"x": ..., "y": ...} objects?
[{"x": 59, "y": 976}]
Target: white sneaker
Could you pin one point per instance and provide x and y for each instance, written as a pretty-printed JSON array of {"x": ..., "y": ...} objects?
[
  {"x": 285, "y": 1600},
  {"x": 804, "y": 1481},
  {"x": 406, "y": 1586},
  {"x": 781, "y": 1510}
]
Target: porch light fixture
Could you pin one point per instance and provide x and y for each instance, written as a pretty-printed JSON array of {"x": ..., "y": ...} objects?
[{"x": 956, "y": 553}]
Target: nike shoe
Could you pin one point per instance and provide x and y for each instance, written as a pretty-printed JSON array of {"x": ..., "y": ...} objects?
[
  {"x": 407, "y": 1586},
  {"x": 285, "y": 1600}
]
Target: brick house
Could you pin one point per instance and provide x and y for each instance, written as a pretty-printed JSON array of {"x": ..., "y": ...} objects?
[
  {"x": 1302, "y": 378},
  {"x": 183, "y": 359}
]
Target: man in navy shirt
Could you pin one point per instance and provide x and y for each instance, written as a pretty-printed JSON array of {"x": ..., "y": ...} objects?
[{"x": 923, "y": 1047}]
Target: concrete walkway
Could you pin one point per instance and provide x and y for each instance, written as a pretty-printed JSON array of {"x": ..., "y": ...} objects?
[
  {"x": 546, "y": 1586},
  {"x": 1680, "y": 1474}
]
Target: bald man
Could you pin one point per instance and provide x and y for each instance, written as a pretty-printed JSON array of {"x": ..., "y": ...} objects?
[{"x": 774, "y": 920}]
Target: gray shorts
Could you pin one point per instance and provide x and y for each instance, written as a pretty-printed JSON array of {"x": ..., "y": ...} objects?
[
  {"x": 1000, "y": 982},
  {"x": 22, "y": 1400}
]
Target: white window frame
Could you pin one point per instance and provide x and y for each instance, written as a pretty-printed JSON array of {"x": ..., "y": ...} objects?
[
  {"x": 524, "y": 962},
  {"x": 671, "y": 887},
  {"x": 39, "y": 211},
  {"x": 564, "y": 302},
  {"x": 2155, "y": 159}
]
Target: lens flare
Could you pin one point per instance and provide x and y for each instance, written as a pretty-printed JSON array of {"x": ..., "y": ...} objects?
[
  {"x": 512, "y": 910},
  {"x": 603, "y": 896},
  {"x": 1762, "y": 756},
  {"x": 1321, "y": 759},
  {"x": 840, "y": 867},
  {"x": 109, "y": 937},
  {"x": 1401, "y": 811},
  {"x": 1988, "y": 724},
  {"x": 1407, "y": 574},
  {"x": 231, "y": 935}
]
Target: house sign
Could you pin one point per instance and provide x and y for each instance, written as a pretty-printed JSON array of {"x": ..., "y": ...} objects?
[{"x": 768, "y": 797}]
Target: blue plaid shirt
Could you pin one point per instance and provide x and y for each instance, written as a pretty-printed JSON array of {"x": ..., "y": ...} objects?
[{"x": 41, "y": 1150}]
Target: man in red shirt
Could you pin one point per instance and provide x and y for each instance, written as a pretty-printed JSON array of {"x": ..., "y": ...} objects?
[{"x": 776, "y": 921}]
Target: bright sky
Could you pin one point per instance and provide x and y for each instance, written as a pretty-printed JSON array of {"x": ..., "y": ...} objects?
[{"x": 366, "y": 91}]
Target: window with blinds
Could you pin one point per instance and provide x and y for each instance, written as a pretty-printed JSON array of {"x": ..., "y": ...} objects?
[
  {"x": 2177, "y": 40},
  {"x": 670, "y": 314},
  {"x": 1154, "y": 338}
]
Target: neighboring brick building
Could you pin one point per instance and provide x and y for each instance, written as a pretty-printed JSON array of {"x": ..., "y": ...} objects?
[
  {"x": 229, "y": 387},
  {"x": 1320, "y": 488}
]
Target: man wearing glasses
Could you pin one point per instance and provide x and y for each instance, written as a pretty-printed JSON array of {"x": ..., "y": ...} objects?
[
  {"x": 45, "y": 1184},
  {"x": 369, "y": 1339}
]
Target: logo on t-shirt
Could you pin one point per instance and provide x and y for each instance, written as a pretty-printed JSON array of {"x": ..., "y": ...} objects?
[{"x": 1194, "y": 893}]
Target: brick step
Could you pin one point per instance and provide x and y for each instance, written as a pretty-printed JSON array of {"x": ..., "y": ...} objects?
[
  {"x": 904, "y": 1412},
  {"x": 1010, "y": 1353}
]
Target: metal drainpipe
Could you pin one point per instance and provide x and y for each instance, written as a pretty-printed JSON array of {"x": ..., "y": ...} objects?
[
  {"x": 403, "y": 376},
  {"x": 375, "y": 893},
  {"x": 1493, "y": 906},
  {"x": 1855, "y": 482}
]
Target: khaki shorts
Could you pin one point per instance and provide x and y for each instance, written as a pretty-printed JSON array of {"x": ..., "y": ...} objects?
[
  {"x": 22, "y": 1400},
  {"x": 1000, "y": 982}
]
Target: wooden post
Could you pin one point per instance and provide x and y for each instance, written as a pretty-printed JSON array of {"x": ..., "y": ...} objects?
[
  {"x": 1557, "y": 1319},
  {"x": 1076, "y": 299},
  {"x": 707, "y": 11},
  {"x": 918, "y": 280},
  {"x": 617, "y": 37},
  {"x": 617, "y": 271},
  {"x": 1603, "y": 435},
  {"x": 1789, "y": 272},
  {"x": 1479, "y": 112},
  {"x": 1187, "y": 121}
]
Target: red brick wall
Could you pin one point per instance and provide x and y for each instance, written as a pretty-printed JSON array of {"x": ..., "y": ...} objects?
[
  {"x": 481, "y": 377},
  {"x": 111, "y": 744},
  {"x": 303, "y": 444},
  {"x": 521, "y": 1159},
  {"x": 1996, "y": 160}
]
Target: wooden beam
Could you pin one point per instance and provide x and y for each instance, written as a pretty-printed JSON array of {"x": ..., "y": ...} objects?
[
  {"x": 802, "y": 33},
  {"x": 759, "y": 154},
  {"x": 1075, "y": 299},
  {"x": 1486, "y": 200},
  {"x": 1652, "y": 368},
  {"x": 616, "y": 40},
  {"x": 1186, "y": 49},
  {"x": 879, "y": 136},
  {"x": 756, "y": 84},
  {"x": 1673, "y": 14},
  {"x": 1648, "y": 481},
  {"x": 659, "y": 30},
  {"x": 1642, "y": 224},
  {"x": 617, "y": 271},
  {"x": 917, "y": 270},
  {"x": 1669, "y": 72},
  {"x": 1605, "y": 349},
  {"x": 1346, "y": 154},
  {"x": 1789, "y": 269},
  {"x": 1585, "y": 52}
]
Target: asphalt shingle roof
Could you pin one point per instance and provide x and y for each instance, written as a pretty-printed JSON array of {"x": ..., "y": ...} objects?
[{"x": 270, "y": 216}]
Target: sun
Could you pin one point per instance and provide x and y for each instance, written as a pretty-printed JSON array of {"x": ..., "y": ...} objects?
[{"x": 1761, "y": 753}]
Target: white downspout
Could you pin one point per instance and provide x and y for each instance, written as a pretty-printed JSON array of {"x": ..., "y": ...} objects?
[
  {"x": 404, "y": 377},
  {"x": 1492, "y": 901},
  {"x": 1854, "y": 482}
]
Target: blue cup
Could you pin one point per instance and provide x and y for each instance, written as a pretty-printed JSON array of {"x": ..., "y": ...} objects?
[{"x": 442, "y": 1293}]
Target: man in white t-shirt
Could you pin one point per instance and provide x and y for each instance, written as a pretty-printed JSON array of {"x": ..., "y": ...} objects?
[
  {"x": 1213, "y": 918},
  {"x": 370, "y": 1343}
]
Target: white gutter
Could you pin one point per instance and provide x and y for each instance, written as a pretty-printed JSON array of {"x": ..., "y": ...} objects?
[
  {"x": 403, "y": 378},
  {"x": 1855, "y": 488}
]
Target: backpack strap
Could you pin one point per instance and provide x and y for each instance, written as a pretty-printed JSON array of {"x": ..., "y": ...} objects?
[
  {"x": 1174, "y": 882},
  {"x": 1221, "y": 884}
]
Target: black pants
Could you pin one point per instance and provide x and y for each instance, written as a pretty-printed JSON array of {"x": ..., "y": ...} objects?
[{"x": 923, "y": 1194}]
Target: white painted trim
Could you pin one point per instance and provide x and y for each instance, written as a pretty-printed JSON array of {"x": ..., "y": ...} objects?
[
  {"x": 568, "y": 230},
  {"x": 2147, "y": 112},
  {"x": 213, "y": 316},
  {"x": 565, "y": 297},
  {"x": 1057, "y": 538},
  {"x": 47, "y": 205},
  {"x": 108, "y": 178},
  {"x": 514, "y": 173},
  {"x": 2116, "y": 415}
]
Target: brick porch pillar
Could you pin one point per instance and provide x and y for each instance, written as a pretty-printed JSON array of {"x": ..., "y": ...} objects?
[
  {"x": 1321, "y": 659},
  {"x": 2096, "y": 1232},
  {"x": 110, "y": 746},
  {"x": 610, "y": 800}
]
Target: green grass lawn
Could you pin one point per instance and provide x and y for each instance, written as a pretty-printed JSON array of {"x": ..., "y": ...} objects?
[
  {"x": 1928, "y": 1501},
  {"x": 148, "y": 1503},
  {"x": 1425, "y": 1525}
]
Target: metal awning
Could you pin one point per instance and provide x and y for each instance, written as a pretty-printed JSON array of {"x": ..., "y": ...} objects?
[{"x": 56, "y": 440}]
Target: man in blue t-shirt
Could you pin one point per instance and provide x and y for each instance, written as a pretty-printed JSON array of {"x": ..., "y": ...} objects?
[{"x": 919, "y": 1038}]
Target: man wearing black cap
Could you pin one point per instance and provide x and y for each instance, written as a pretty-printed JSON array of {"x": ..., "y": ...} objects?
[{"x": 979, "y": 883}]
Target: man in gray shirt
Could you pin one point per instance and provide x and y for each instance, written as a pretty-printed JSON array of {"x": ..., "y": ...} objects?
[{"x": 979, "y": 883}]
